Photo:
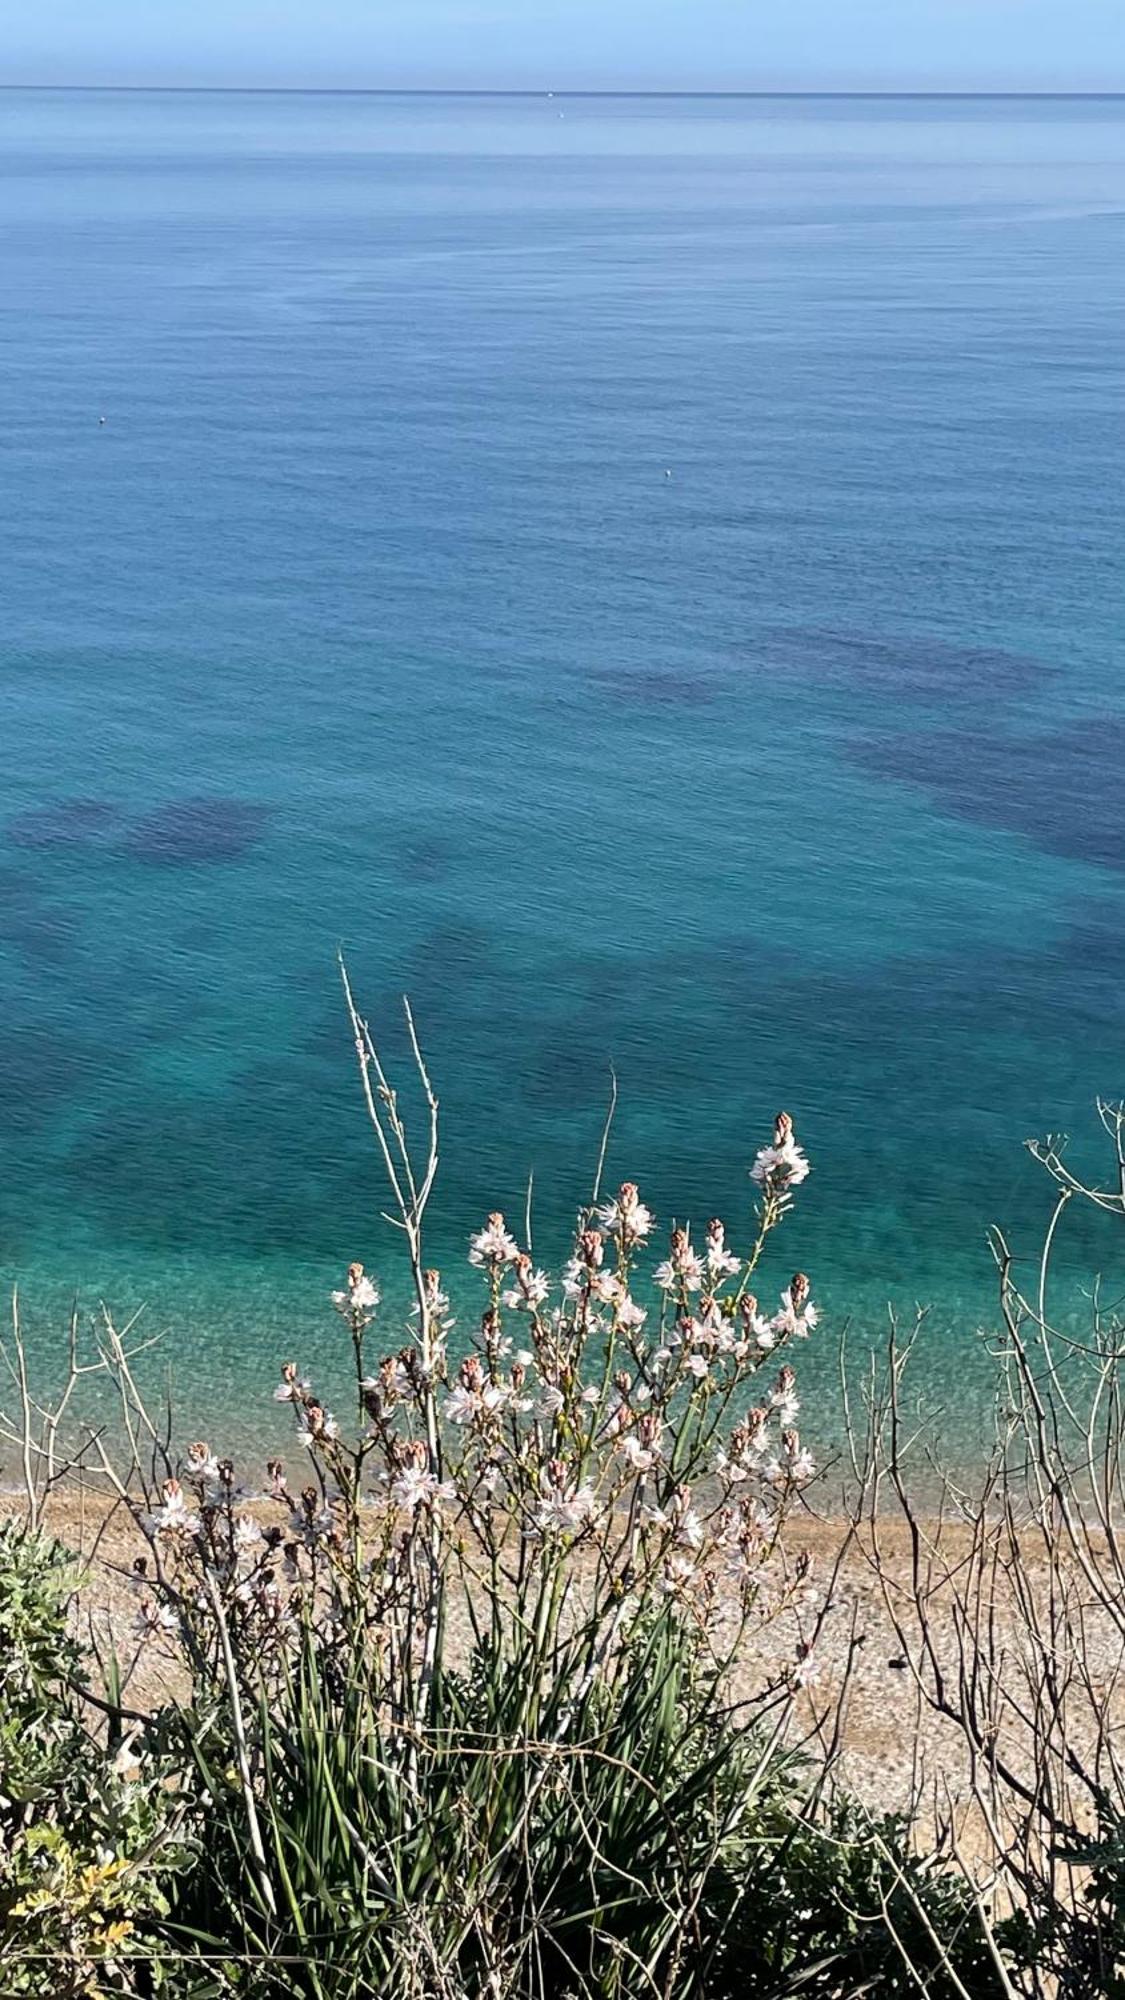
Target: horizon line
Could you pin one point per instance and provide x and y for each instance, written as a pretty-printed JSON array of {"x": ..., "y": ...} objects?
[{"x": 568, "y": 91}]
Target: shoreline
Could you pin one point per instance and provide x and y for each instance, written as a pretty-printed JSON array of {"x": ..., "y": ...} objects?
[{"x": 891, "y": 1743}]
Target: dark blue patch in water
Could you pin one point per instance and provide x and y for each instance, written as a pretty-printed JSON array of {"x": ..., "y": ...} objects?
[
  {"x": 196, "y": 829},
  {"x": 65, "y": 823},
  {"x": 1058, "y": 788},
  {"x": 915, "y": 667}
]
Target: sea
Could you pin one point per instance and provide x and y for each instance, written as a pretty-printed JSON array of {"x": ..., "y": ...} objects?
[{"x": 643, "y": 577}]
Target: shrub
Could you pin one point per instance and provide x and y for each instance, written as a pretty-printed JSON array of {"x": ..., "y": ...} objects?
[{"x": 85, "y": 1845}]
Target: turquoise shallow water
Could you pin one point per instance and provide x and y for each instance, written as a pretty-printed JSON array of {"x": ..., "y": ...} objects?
[{"x": 370, "y": 617}]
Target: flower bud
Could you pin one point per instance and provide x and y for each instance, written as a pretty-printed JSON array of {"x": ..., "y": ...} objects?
[{"x": 592, "y": 1247}]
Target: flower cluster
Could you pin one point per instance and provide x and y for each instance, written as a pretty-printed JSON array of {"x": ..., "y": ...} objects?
[
  {"x": 616, "y": 1413},
  {"x": 780, "y": 1168}
]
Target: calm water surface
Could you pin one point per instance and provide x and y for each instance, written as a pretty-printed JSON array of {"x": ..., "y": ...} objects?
[{"x": 371, "y": 616}]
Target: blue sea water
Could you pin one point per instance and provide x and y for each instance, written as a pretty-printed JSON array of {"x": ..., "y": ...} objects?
[{"x": 643, "y": 576}]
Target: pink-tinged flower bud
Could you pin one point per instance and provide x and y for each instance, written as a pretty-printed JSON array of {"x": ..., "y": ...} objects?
[
  {"x": 289, "y": 1372},
  {"x": 748, "y": 1307},
  {"x": 621, "y": 1382},
  {"x": 679, "y": 1241},
  {"x": 782, "y": 1128},
  {"x": 798, "y": 1289},
  {"x": 592, "y": 1248},
  {"x": 786, "y": 1381},
  {"x": 431, "y": 1281},
  {"x": 519, "y": 1376},
  {"x": 472, "y": 1375},
  {"x": 226, "y": 1471},
  {"x": 716, "y": 1232}
]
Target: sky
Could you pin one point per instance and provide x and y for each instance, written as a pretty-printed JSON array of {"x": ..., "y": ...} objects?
[{"x": 571, "y": 44}]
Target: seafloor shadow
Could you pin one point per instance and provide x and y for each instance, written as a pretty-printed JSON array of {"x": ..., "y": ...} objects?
[{"x": 1061, "y": 788}]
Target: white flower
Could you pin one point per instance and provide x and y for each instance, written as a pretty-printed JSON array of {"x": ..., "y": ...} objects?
[
  {"x": 630, "y": 1316},
  {"x": 573, "y": 1277},
  {"x": 360, "y": 1295},
  {"x": 627, "y": 1215},
  {"x": 784, "y": 1399},
  {"x": 415, "y": 1487},
  {"x": 461, "y": 1405},
  {"x": 201, "y": 1463},
  {"x": 173, "y": 1517},
  {"x": 246, "y": 1533},
  {"x": 792, "y": 1322},
  {"x": 530, "y": 1294},
  {"x": 689, "y": 1529},
  {"x": 550, "y": 1401},
  {"x": 154, "y": 1621},
  {"x": 316, "y": 1426},
  {"x": 730, "y": 1469},
  {"x": 638, "y": 1456},
  {"x": 563, "y": 1508},
  {"x": 293, "y": 1387},
  {"x": 807, "y": 1669},
  {"x": 687, "y": 1270},
  {"x": 802, "y": 1465},
  {"x": 721, "y": 1264},
  {"x": 493, "y": 1245},
  {"x": 678, "y": 1572},
  {"x": 782, "y": 1167},
  {"x": 697, "y": 1365}
]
